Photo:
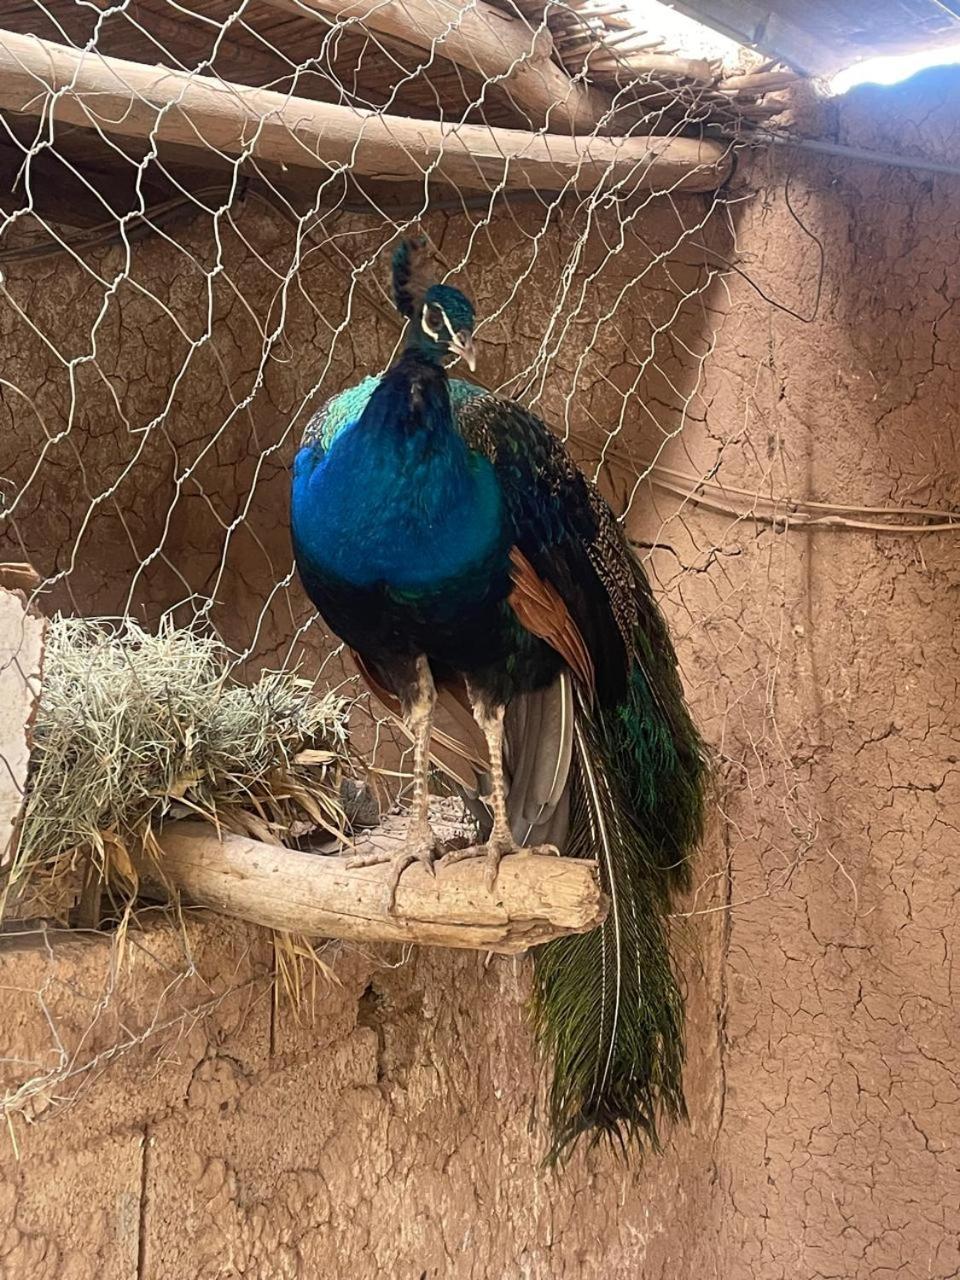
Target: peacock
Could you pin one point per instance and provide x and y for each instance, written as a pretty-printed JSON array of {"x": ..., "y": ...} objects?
[{"x": 493, "y": 604}]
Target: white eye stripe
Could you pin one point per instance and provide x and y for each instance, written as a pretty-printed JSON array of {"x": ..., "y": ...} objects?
[
  {"x": 431, "y": 333},
  {"x": 435, "y": 333}
]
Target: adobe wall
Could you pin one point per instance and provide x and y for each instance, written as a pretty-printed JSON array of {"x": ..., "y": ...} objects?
[{"x": 389, "y": 1133}]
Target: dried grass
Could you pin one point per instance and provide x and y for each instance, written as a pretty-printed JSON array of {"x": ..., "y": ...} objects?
[{"x": 134, "y": 727}]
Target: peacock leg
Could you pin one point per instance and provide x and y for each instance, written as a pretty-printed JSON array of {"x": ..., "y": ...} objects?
[
  {"x": 420, "y": 844},
  {"x": 501, "y": 839}
]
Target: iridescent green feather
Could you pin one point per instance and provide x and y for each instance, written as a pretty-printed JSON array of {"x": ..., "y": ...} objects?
[
  {"x": 608, "y": 1006},
  {"x": 347, "y": 406}
]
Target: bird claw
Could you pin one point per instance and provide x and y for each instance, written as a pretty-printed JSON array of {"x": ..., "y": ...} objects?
[
  {"x": 419, "y": 846},
  {"x": 495, "y": 849}
]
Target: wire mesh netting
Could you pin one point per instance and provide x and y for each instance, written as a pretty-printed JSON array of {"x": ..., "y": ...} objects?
[{"x": 200, "y": 206}]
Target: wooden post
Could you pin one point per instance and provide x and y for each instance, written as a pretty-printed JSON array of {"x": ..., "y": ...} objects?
[
  {"x": 536, "y": 898},
  {"x": 39, "y": 78},
  {"x": 759, "y": 82},
  {"x": 22, "y": 634},
  {"x": 480, "y": 38}
]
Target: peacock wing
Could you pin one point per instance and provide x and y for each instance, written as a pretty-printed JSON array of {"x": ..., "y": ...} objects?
[
  {"x": 571, "y": 568},
  {"x": 607, "y": 1004}
]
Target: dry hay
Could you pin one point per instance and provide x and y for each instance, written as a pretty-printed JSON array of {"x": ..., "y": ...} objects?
[{"x": 135, "y": 727}]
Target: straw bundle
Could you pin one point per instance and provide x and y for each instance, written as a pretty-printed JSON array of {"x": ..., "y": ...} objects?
[{"x": 134, "y": 727}]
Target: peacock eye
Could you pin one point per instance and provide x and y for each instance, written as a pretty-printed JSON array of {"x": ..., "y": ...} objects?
[{"x": 435, "y": 318}]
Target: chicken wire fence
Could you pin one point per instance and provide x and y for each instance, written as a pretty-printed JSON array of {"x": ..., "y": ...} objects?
[{"x": 173, "y": 310}]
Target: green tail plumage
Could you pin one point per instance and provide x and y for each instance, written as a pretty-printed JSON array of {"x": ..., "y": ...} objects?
[{"x": 609, "y": 1009}]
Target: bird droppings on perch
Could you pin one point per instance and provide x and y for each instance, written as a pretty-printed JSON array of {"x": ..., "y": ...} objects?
[{"x": 535, "y": 900}]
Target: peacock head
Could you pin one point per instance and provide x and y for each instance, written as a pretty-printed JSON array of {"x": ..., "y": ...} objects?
[
  {"x": 446, "y": 324},
  {"x": 441, "y": 317}
]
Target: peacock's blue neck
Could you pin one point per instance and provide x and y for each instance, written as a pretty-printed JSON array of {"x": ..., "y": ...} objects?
[
  {"x": 398, "y": 498},
  {"x": 424, "y": 350}
]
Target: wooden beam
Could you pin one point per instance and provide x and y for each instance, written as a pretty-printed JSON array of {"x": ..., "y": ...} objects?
[
  {"x": 759, "y": 82},
  {"x": 699, "y": 71},
  {"x": 129, "y": 99},
  {"x": 22, "y": 635},
  {"x": 536, "y": 898},
  {"x": 18, "y": 576},
  {"x": 482, "y": 39}
]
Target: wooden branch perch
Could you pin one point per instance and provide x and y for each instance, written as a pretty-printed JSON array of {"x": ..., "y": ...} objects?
[
  {"x": 40, "y": 78},
  {"x": 536, "y": 898},
  {"x": 478, "y": 38}
]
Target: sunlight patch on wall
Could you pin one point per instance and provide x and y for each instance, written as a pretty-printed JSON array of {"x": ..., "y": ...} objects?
[{"x": 892, "y": 69}]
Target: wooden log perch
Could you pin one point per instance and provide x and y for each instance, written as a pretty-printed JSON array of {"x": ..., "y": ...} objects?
[
  {"x": 536, "y": 898},
  {"x": 481, "y": 38},
  {"x": 129, "y": 99}
]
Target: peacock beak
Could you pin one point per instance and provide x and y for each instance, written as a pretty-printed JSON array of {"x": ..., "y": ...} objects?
[{"x": 462, "y": 343}]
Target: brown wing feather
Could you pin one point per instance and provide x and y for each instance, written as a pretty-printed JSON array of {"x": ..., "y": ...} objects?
[{"x": 540, "y": 609}]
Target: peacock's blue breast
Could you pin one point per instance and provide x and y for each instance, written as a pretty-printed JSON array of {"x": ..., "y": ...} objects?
[{"x": 397, "y": 512}]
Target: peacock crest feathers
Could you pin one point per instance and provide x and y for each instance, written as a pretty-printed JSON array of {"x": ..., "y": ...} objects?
[{"x": 412, "y": 275}]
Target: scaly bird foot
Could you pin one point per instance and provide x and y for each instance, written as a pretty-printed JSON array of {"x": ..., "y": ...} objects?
[
  {"x": 419, "y": 846},
  {"x": 496, "y": 848}
]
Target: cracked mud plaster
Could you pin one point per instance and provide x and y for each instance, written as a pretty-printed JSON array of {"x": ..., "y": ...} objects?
[{"x": 389, "y": 1134}]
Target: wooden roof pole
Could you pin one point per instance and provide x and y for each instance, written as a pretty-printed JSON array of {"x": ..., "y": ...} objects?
[
  {"x": 480, "y": 38},
  {"x": 130, "y": 99}
]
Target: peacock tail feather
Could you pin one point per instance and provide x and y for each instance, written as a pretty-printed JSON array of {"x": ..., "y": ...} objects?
[{"x": 607, "y": 1004}]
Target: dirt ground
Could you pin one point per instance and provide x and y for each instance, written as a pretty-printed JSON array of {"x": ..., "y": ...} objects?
[{"x": 390, "y": 1131}]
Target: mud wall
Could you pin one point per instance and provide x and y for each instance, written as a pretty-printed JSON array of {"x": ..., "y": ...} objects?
[{"x": 387, "y": 1131}]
